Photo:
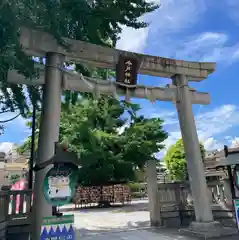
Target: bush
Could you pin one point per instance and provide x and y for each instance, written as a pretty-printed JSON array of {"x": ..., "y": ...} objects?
[
  {"x": 13, "y": 178},
  {"x": 137, "y": 187},
  {"x": 138, "y": 195}
]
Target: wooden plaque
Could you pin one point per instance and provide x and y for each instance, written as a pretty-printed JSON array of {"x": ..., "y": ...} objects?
[{"x": 127, "y": 70}]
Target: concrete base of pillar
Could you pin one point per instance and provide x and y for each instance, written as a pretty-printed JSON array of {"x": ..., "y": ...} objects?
[
  {"x": 209, "y": 230},
  {"x": 154, "y": 223}
]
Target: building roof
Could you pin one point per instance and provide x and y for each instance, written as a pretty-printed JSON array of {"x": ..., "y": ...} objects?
[
  {"x": 16, "y": 166},
  {"x": 218, "y": 158},
  {"x": 2, "y": 154}
]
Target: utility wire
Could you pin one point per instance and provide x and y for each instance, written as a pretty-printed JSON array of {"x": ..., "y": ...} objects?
[{"x": 9, "y": 120}]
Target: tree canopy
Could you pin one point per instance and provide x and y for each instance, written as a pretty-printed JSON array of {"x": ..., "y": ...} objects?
[
  {"x": 99, "y": 22},
  {"x": 176, "y": 162},
  {"x": 110, "y": 139},
  {"x": 91, "y": 128}
]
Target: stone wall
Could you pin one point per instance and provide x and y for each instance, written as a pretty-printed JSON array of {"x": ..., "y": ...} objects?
[{"x": 177, "y": 204}]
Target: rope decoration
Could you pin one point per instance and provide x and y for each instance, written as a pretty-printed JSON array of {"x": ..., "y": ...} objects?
[
  {"x": 94, "y": 83},
  {"x": 89, "y": 84},
  {"x": 96, "y": 92},
  {"x": 153, "y": 98},
  {"x": 127, "y": 95}
]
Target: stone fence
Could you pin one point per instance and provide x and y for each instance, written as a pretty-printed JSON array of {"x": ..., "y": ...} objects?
[{"x": 177, "y": 204}]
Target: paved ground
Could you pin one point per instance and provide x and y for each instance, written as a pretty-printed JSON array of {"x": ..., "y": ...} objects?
[
  {"x": 138, "y": 234},
  {"x": 141, "y": 234},
  {"x": 127, "y": 223},
  {"x": 111, "y": 219}
]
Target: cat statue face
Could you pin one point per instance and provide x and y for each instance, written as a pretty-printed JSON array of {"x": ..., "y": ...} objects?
[{"x": 65, "y": 181}]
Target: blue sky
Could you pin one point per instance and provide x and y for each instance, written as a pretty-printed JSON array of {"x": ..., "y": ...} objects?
[{"x": 198, "y": 30}]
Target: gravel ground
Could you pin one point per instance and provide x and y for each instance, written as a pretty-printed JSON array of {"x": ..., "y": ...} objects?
[{"x": 115, "y": 218}]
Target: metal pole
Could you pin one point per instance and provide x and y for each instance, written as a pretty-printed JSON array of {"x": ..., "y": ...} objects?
[
  {"x": 31, "y": 162},
  {"x": 48, "y": 135}
]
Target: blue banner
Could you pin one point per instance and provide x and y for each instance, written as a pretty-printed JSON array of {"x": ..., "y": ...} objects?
[
  {"x": 58, "y": 228},
  {"x": 236, "y": 206}
]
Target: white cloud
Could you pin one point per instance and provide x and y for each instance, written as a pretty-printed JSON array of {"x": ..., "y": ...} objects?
[
  {"x": 232, "y": 141},
  {"x": 169, "y": 33},
  {"x": 210, "y": 125},
  {"x": 6, "y": 146},
  {"x": 217, "y": 121},
  {"x": 213, "y": 123},
  {"x": 235, "y": 142},
  {"x": 174, "y": 16},
  {"x": 208, "y": 47},
  {"x": 233, "y": 8},
  {"x": 212, "y": 144},
  {"x": 165, "y": 20},
  {"x": 133, "y": 39}
]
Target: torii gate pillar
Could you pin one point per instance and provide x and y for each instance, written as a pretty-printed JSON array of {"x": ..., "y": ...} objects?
[
  {"x": 49, "y": 134},
  {"x": 202, "y": 206}
]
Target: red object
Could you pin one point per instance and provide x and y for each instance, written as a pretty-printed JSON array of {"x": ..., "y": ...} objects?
[
  {"x": 64, "y": 148},
  {"x": 19, "y": 185}
]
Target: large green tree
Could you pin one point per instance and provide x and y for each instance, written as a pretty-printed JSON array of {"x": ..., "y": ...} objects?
[
  {"x": 92, "y": 128},
  {"x": 176, "y": 162},
  {"x": 99, "y": 22}
]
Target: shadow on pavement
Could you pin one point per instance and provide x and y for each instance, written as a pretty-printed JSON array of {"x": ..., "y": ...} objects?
[
  {"x": 136, "y": 234},
  {"x": 116, "y": 208}
]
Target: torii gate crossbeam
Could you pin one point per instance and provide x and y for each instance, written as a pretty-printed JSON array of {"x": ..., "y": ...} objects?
[
  {"x": 38, "y": 43},
  {"x": 79, "y": 83}
]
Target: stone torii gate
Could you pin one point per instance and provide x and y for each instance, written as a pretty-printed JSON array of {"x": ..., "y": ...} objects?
[{"x": 37, "y": 43}]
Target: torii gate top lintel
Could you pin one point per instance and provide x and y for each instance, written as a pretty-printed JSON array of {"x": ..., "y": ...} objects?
[{"x": 38, "y": 43}]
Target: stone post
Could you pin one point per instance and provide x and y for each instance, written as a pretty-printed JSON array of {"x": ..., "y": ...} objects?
[
  {"x": 227, "y": 192},
  {"x": 49, "y": 134},
  {"x": 153, "y": 194},
  {"x": 221, "y": 193},
  {"x": 195, "y": 167}
]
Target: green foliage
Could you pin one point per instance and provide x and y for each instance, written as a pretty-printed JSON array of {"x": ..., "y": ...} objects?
[
  {"x": 98, "y": 22},
  {"x": 138, "y": 190},
  {"x": 136, "y": 187},
  {"x": 91, "y": 129},
  {"x": 176, "y": 162},
  {"x": 140, "y": 175},
  {"x": 13, "y": 178},
  {"x": 26, "y": 146}
]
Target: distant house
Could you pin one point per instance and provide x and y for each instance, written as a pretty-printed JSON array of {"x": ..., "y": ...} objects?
[
  {"x": 162, "y": 172},
  {"x": 11, "y": 163},
  {"x": 210, "y": 163}
]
